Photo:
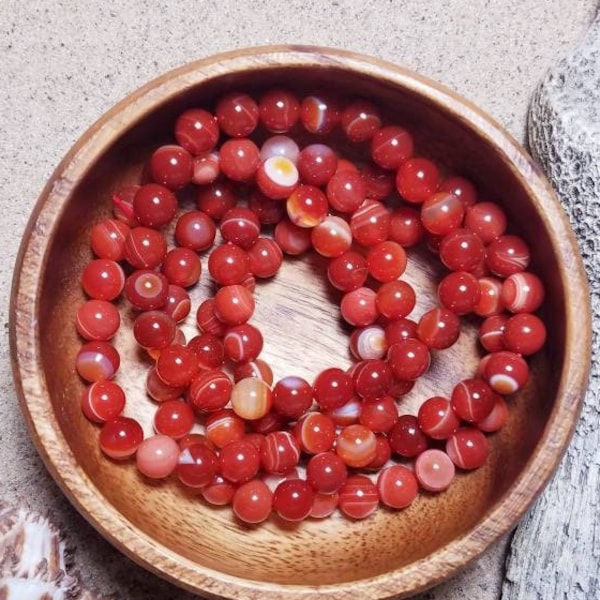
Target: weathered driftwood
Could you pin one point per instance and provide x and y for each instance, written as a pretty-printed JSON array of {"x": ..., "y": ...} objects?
[{"x": 555, "y": 552}]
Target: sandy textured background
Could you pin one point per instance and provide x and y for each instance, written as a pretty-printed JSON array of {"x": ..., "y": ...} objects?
[{"x": 63, "y": 64}]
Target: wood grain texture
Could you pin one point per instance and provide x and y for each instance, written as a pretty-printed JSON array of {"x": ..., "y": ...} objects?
[
  {"x": 392, "y": 554},
  {"x": 558, "y": 544}
]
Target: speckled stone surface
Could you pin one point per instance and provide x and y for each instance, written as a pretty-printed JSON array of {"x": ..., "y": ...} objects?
[{"x": 62, "y": 64}]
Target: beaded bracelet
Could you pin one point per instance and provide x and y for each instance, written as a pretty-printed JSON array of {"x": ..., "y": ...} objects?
[{"x": 295, "y": 448}]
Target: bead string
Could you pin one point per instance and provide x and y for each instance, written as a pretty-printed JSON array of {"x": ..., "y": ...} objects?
[{"x": 345, "y": 424}]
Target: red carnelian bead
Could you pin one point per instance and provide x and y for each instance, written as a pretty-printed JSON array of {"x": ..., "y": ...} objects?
[
  {"x": 332, "y": 388},
  {"x": 406, "y": 438},
  {"x": 459, "y": 292},
  {"x": 195, "y": 230},
  {"x": 358, "y": 497},
  {"x": 293, "y": 499},
  {"x": 97, "y": 361},
  {"x": 145, "y": 248},
  {"x": 368, "y": 342},
  {"x": 102, "y": 401},
  {"x": 210, "y": 390},
  {"x": 107, "y": 239},
  {"x": 442, "y": 213},
  {"x": 208, "y": 349},
  {"x": 347, "y": 414},
  {"x": 292, "y": 239},
  {"x": 121, "y": 437},
  {"x": 372, "y": 378},
  {"x": 197, "y": 130},
  {"x": 158, "y": 390},
  {"x": 462, "y": 188},
  {"x": 268, "y": 211},
  {"x": 252, "y": 502},
  {"x": 399, "y": 330},
  {"x": 146, "y": 289},
  {"x": 316, "y": 164},
  {"x": 346, "y": 191},
  {"x": 216, "y": 199},
  {"x": 196, "y": 466},
  {"x": 282, "y": 146},
  {"x": 228, "y": 264},
  {"x": 319, "y": 114},
  {"x": 437, "y": 419},
  {"x": 205, "y": 168},
  {"x": 182, "y": 267},
  {"x": 176, "y": 365},
  {"x": 461, "y": 250},
  {"x": 174, "y": 418},
  {"x": 409, "y": 359},
  {"x": 237, "y": 114},
  {"x": 490, "y": 301},
  {"x": 208, "y": 321},
  {"x": 522, "y": 292},
  {"x": 103, "y": 279},
  {"x": 360, "y": 120},
  {"x": 264, "y": 258},
  {"x": 280, "y": 452},
  {"x": 379, "y": 182},
  {"x": 383, "y": 453},
  {"x": 491, "y": 332},
  {"x": 507, "y": 255},
  {"x": 356, "y": 445},
  {"x": 370, "y": 223},
  {"x": 243, "y": 343},
  {"x": 239, "y": 159},
  {"x": 497, "y": 418},
  {"x": 277, "y": 177},
  {"x": 240, "y": 226},
  {"x": 326, "y": 472},
  {"x": 401, "y": 388},
  {"x": 524, "y": 334},
  {"x": 379, "y": 414},
  {"x": 506, "y": 372},
  {"x": 307, "y": 206},
  {"x": 487, "y": 220},
  {"x": 123, "y": 204},
  {"x": 348, "y": 272},
  {"x": 315, "y": 432},
  {"x": 256, "y": 439},
  {"x": 358, "y": 307},
  {"x": 195, "y": 439},
  {"x": 386, "y": 261},
  {"x": 251, "y": 398},
  {"x": 292, "y": 397},
  {"x": 171, "y": 166},
  {"x": 269, "y": 423},
  {"x": 417, "y": 179},
  {"x": 397, "y": 486},
  {"x": 224, "y": 426},
  {"x": 154, "y": 329},
  {"x": 439, "y": 328},
  {"x": 391, "y": 146},
  {"x": 472, "y": 400},
  {"x": 239, "y": 461},
  {"x": 279, "y": 110},
  {"x": 255, "y": 368},
  {"x": 154, "y": 205},
  {"x": 234, "y": 304},
  {"x": 97, "y": 320},
  {"x": 406, "y": 228},
  {"x": 332, "y": 237},
  {"x": 434, "y": 470},
  {"x": 156, "y": 457},
  {"x": 468, "y": 448}
]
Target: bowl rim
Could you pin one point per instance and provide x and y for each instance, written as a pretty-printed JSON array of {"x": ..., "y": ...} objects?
[{"x": 81, "y": 491}]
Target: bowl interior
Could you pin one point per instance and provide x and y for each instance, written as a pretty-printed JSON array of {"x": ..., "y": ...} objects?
[{"x": 176, "y": 534}]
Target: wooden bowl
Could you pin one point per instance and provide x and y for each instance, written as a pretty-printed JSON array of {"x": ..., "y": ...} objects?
[{"x": 177, "y": 536}]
